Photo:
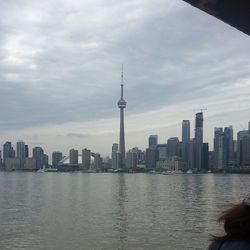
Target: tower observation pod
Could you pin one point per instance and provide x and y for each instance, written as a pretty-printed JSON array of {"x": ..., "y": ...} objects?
[{"x": 122, "y": 105}]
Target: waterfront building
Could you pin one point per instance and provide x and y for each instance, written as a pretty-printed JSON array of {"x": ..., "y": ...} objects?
[
  {"x": 152, "y": 140},
  {"x": 198, "y": 140},
  {"x": 20, "y": 149},
  {"x": 162, "y": 152},
  {"x": 173, "y": 163},
  {"x": 141, "y": 157},
  {"x": 173, "y": 147},
  {"x": 115, "y": 147},
  {"x": 122, "y": 105},
  {"x": 240, "y": 136},
  {"x": 73, "y": 156},
  {"x": 116, "y": 160},
  {"x": 12, "y": 164},
  {"x": 229, "y": 145},
  {"x": 1, "y": 161},
  {"x": 245, "y": 151},
  {"x": 26, "y": 151},
  {"x": 56, "y": 158},
  {"x": 191, "y": 154},
  {"x": 219, "y": 149},
  {"x": 98, "y": 161},
  {"x": 45, "y": 160},
  {"x": 132, "y": 158},
  {"x": 86, "y": 158},
  {"x": 185, "y": 139},
  {"x": 30, "y": 164},
  {"x": 38, "y": 155},
  {"x": 151, "y": 157},
  {"x": 8, "y": 152},
  {"x": 205, "y": 159}
]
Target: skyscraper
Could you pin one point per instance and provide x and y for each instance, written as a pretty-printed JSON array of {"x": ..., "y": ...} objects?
[
  {"x": 56, "y": 158},
  {"x": 173, "y": 147},
  {"x": 8, "y": 152},
  {"x": 191, "y": 154},
  {"x": 229, "y": 144},
  {"x": 98, "y": 161},
  {"x": 26, "y": 151},
  {"x": 122, "y": 105},
  {"x": 73, "y": 156},
  {"x": 205, "y": 157},
  {"x": 151, "y": 157},
  {"x": 240, "y": 136},
  {"x": 86, "y": 158},
  {"x": 116, "y": 156},
  {"x": 45, "y": 160},
  {"x": 198, "y": 140},
  {"x": 132, "y": 158},
  {"x": 20, "y": 148},
  {"x": 115, "y": 147},
  {"x": 219, "y": 149},
  {"x": 152, "y": 140},
  {"x": 38, "y": 155},
  {"x": 185, "y": 138},
  {"x": 244, "y": 151}
]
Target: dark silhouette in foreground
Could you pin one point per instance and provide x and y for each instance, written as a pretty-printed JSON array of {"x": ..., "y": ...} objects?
[{"x": 237, "y": 228}]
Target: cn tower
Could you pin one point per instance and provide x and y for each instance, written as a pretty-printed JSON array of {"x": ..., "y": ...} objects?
[{"x": 122, "y": 105}]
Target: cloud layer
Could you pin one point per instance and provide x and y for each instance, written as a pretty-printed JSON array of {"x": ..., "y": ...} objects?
[{"x": 60, "y": 71}]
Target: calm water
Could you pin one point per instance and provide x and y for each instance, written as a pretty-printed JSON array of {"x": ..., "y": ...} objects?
[{"x": 113, "y": 211}]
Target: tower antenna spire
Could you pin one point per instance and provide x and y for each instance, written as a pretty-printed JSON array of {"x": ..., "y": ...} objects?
[{"x": 122, "y": 82}]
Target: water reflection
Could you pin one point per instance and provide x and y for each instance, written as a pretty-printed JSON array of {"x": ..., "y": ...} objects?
[{"x": 121, "y": 216}]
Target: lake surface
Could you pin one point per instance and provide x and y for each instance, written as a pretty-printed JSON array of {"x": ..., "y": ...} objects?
[{"x": 114, "y": 211}]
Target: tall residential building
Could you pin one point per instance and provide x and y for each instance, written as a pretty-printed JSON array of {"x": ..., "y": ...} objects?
[
  {"x": 219, "y": 149},
  {"x": 73, "y": 156},
  {"x": 8, "y": 152},
  {"x": 151, "y": 157},
  {"x": 173, "y": 147},
  {"x": 122, "y": 105},
  {"x": 152, "y": 141},
  {"x": 205, "y": 159},
  {"x": 86, "y": 158},
  {"x": 26, "y": 151},
  {"x": 1, "y": 161},
  {"x": 132, "y": 158},
  {"x": 45, "y": 160},
  {"x": 20, "y": 149},
  {"x": 229, "y": 145},
  {"x": 115, "y": 147},
  {"x": 116, "y": 156},
  {"x": 97, "y": 161},
  {"x": 198, "y": 140},
  {"x": 185, "y": 139},
  {"x": 245, "y": 151},
  {"x": 116, "y": 160},
  {"x": 56, "y": 158},
  {"x": 240, "y": 136},
  {"x": 38, "y": 155},
  {"x": 191, "y": 154}
]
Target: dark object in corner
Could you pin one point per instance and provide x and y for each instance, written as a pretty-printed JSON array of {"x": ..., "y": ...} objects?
[{"x": 234, "y": 12}]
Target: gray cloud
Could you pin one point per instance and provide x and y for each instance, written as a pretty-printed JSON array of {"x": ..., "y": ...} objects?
[
  {"x": 77, "y": 135},
  {"x": 60, "y": 61}
]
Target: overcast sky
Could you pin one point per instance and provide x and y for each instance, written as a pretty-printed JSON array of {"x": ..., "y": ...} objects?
[{"x": 60, "y": 64}]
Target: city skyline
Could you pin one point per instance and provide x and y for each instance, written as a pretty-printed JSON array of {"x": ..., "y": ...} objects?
[{"x": 61, "y": 85}]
